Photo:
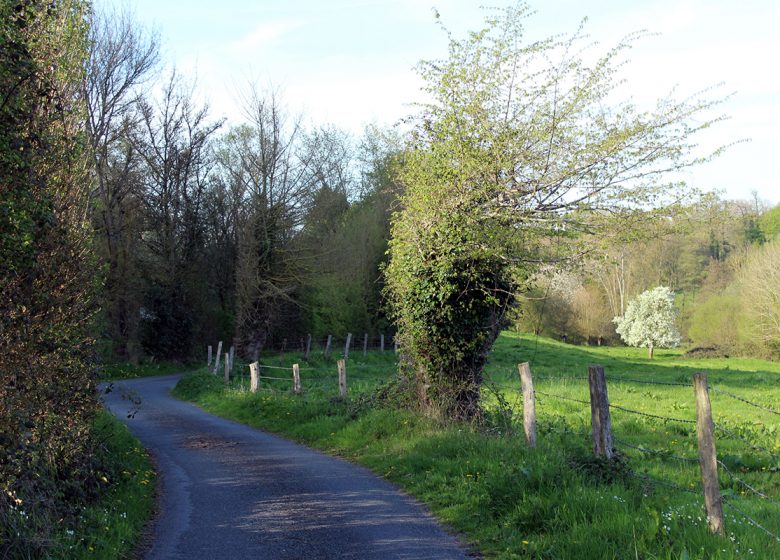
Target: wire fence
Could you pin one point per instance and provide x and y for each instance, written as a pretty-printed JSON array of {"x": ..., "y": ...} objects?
[
  {"x": 686, "y": 465},
  {"x": 676, "y": 471}
]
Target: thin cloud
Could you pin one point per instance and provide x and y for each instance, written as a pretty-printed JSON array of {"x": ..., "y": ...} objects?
[{"x": 264, "y": 34}]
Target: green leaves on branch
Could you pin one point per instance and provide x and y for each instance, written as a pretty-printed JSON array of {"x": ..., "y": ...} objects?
[{"x": 520, "y": 150}]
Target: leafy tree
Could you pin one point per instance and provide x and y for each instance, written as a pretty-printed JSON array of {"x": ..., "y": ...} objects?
[
  {"x": 591, "y": 314},
  {"x": 520, "y": 149},
  {"x": 770, "y": 221},
  {"x": 760, "y": 277},
  {"x": 650, "y": 321}
]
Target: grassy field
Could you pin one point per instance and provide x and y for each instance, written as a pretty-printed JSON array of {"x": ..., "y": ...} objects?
[{"x": 556, "y": 501}]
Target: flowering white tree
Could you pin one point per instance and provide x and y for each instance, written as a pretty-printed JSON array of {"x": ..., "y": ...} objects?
[{"x": 650, "y": 321}]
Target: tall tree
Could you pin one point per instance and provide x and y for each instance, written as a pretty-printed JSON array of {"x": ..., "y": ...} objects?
[
  {"x": 121, "y": 59},
  {"x": 264, "y": 163},
  {"x": 173, "y": 144},
  {"x": 521, "y": 144}
]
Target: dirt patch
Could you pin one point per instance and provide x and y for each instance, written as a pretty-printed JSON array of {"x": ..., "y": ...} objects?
[{"x": 705, "y": 352}]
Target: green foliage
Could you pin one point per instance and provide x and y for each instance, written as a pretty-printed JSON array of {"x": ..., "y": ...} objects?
[
  {"x": 650, "y": 320},
  {"x": 760, "y": 284},
  {"x": 716, "y": 322},
  {"x": 520, "y": 150},
  {"x": 112, "y": 526},
  {"x": 769, "y": 222},
  {"x": 48, "y": 400}
]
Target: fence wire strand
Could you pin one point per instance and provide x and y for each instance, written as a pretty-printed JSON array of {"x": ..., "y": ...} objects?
[
  {"x": 554, "y": 396},
  {"x": 664, "y": 454},
  {"x": 738, "y": 480},
  {"x": 649, "y": 479},
  {"x": 743, "y": 440},
  {"x": 744, "y": 400},
  {"x": 656, "y": 416},
  {"x": 646, "y": 382},
  {"x": 750, "y": 520}
]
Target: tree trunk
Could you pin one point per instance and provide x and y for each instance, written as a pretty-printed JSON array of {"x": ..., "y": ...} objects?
[{"x": 650, "y": 352}]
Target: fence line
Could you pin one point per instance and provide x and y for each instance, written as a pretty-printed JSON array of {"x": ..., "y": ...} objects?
[
  {"x": 659, "y": 482},
  {"x": 561, "y": 397},
  {"x": 647, "y": 382},
  {"x": 738, "y": 480},
  {"x": 663, "y": 454}
]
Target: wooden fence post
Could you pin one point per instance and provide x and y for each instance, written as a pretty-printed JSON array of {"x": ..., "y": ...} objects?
[
  {"x": 365, "y": 345},
  {"x": 708, "y": 459},
  {"x": 227, "y": 368},
  {"x": 347, "y": 345},
  {"x": 327, "y": 345},
  {"x": 216, "y": 359},
  {"x": 381, "y": 343},
  {"x": 232, "y": 357},
  {"x": 208, "y": 364},
  {"x": 599, "y": 413},
  {"x": 529, "y": 404},
  {"x": 253, "y": 376},
  {"x": 342, "y": 378},
  {"x": 308, "y": 348},
  {"x": 296, "y": 379}
]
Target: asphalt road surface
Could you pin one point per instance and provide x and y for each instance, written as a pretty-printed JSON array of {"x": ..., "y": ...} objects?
[{"x": 231, "y": 491}]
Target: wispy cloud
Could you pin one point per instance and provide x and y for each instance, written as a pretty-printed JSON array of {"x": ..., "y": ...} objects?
[{"x": 264, "y": 34}]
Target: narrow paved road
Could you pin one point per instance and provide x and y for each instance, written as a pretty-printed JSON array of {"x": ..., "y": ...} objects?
[{"x": 230, "y": 491}]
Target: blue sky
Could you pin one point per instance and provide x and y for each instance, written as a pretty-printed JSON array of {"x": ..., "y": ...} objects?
[{"x": 351, "y": 62}]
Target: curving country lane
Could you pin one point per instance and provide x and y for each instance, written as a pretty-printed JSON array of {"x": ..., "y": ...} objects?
[{"x": 231, "y": 491}]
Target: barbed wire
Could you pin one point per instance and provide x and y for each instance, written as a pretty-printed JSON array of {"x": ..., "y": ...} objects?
[
  {"x": 728, "y": 504},
  {"x": 735, "y": 478},
  {"x": 664, "y": 454},
  {"x": 743, "y": 440},
  {"x": 554, "y": 396},
  {"x": 744, "y": 400},
  {"x": 651, "y": 480},
  {"x": 646, "y": 382},
  {"x": 656, "y": 416},
  {"x": 504, "y": 386}
]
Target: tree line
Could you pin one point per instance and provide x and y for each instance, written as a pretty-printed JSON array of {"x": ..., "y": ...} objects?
[
  {"x": 716, "y": 255},
  {"x": 268, "y": 228}
]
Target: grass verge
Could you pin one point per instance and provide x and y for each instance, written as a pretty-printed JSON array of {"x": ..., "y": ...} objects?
[
  {"x": 111, "y": 527},
  {"x": 556, "y": 501}
]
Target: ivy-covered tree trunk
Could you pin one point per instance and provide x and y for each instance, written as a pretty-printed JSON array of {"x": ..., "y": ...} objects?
[{"x": 521, "y": 150}]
